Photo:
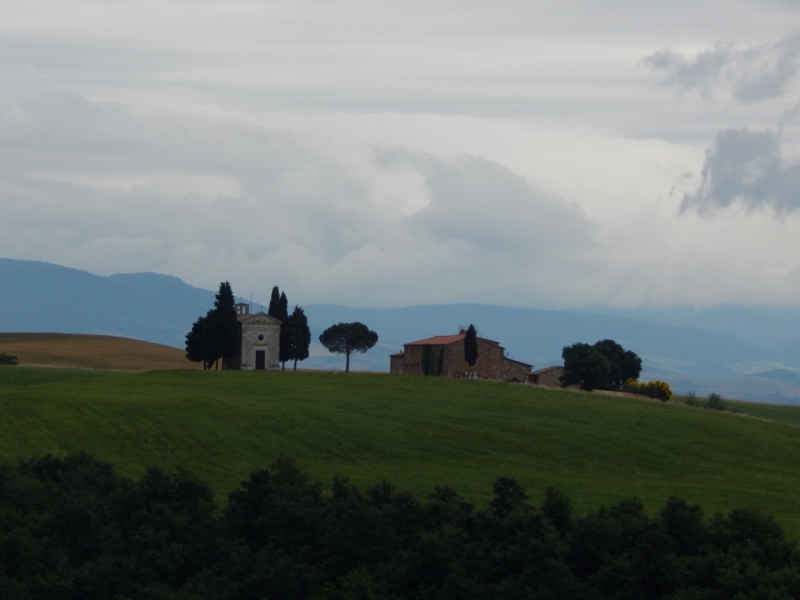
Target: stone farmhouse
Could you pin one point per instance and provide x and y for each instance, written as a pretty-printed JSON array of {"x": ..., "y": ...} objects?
[
  {"x": 448, "y": 350},
  {"x": 258, "y": 340}
]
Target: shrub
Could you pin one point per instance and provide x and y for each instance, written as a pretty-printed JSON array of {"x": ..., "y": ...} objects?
[
  {"x": 659, "y": 390},
  {"x": 8, "y": 359},
  {"x": 691, "y": 399},
  {"x": 715, "y": 402}
]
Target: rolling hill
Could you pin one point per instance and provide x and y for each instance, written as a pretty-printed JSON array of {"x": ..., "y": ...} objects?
[
  {"x": 412, "y": 431},
  {"x": 92, "y": 352}
]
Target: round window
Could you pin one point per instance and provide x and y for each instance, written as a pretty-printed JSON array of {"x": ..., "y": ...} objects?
[{"x": 260, "y": 337}]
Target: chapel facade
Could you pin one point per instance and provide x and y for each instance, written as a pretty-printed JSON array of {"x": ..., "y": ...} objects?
[{"x": 258, "y": 340}]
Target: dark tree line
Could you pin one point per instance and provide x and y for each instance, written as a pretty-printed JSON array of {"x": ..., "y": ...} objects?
[
  {"x": 72, "y": 528},
  {"x": 8, "y": 359}
]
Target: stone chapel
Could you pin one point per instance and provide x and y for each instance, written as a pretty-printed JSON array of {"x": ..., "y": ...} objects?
[{"x": 258, "y": 340}]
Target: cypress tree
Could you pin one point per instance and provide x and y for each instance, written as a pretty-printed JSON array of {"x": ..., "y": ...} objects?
[
  {"x": 274, "y": 303},
  {"x": 283, "y": 315},
  {"x": 224, "y": 324},
  {"x": 298, "y": 336},
  {"x": 471, "y": 347}
]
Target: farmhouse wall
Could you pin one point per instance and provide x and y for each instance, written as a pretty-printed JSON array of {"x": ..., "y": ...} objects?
[
  {"x": 488, "y": 366},
  {"x": 491, "y": 362},
  {"x": 514, "y": 370},
  {"x": 396, "y": 362},
  {"x": 548, "y": 376}
]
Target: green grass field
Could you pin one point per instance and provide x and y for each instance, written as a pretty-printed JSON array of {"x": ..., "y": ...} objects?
[{"x": 415, "y": 432}]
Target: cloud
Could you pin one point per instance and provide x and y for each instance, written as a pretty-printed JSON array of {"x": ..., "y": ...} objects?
[
  {"x": 746, "y": 167},
  {"x": 483, "y": 203},
  {"x": 751, "y": 73},
  {"x": 219, "y": 196},
  {"x": 100, "y": 186}
]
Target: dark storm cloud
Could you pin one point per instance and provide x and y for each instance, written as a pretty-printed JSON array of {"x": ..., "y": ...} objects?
[
  {"x": 746, "y": 167},
  {"x": 752, "y": 73}
]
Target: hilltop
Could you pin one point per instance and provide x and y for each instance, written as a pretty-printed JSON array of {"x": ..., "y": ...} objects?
[{"x": 92, "y": 352}]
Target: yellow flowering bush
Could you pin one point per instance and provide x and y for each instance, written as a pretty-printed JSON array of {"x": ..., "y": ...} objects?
[{"x": 652, "y": 389}]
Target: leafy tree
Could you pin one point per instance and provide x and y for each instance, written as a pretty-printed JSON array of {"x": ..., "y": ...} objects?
[
  {"x": 557, "y": 507},
  {"x": 471, "y": 347},
  {"x": 585, "y": 366},
  {"x": 508, "y": 495},
  {"x": 624, "y": 363},
  {"x": 715, "y": 402},
  {"x": 298, "y": 336},
  {"x": 346, "y": 338}
]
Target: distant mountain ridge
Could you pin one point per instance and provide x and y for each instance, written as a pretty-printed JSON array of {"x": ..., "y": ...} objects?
[
  {"x": 40, "y": 297},
  {"x": 43, "y": 297}
]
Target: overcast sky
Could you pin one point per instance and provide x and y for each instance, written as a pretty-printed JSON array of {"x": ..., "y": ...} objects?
[{"x": 539, "y": 154}]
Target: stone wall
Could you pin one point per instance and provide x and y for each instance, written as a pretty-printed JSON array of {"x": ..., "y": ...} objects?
[
  {"x": 548, "y": 377},
  {"x": 488, "y": 366},
  {"x": 513, "y": 370},
  {"x": 396, "y": 363}
]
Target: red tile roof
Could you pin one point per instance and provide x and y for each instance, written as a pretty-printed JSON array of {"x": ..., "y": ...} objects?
[
  {"x": 445, "y": 340},
  {"x": 398, "y": 354}
]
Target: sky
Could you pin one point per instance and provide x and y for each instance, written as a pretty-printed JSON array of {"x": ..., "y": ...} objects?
[{"x": 557, "y": 154}]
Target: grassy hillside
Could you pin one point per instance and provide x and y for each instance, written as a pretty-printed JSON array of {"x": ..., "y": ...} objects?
[
  {"x": 92, "y": 352},
  {"x": 415, "y": 432}
]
